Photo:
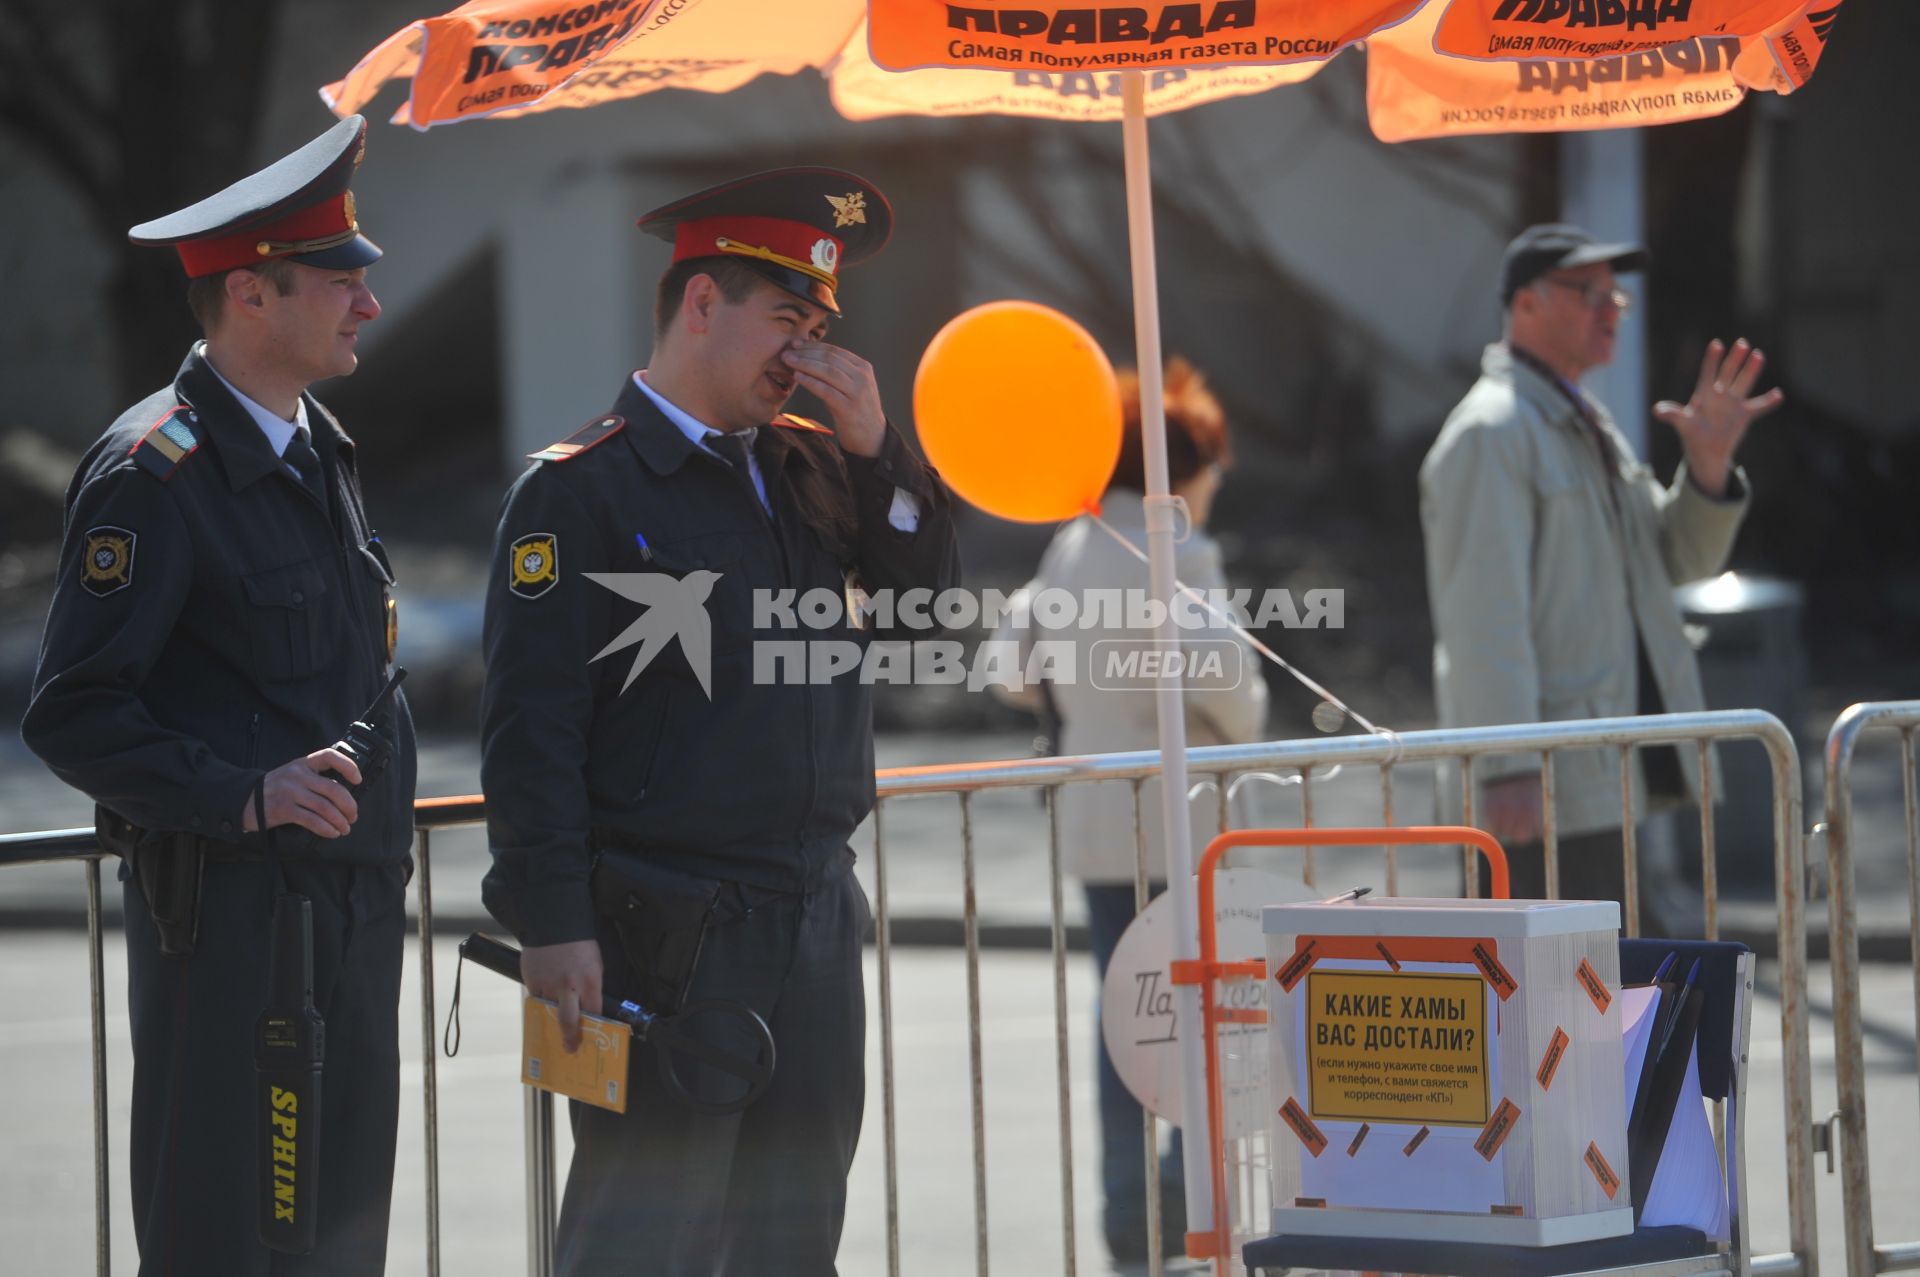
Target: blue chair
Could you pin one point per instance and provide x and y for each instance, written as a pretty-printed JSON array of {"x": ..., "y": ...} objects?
[{"x": 1726, "y": 973}]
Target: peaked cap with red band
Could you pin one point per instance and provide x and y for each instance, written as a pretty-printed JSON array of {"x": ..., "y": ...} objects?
[
  {"x": 797, "y": 226},
  {"x": 298, "y": 208}
]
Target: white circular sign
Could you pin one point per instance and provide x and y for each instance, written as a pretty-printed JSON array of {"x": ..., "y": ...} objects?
[{"x": 1137, "y": 1000}]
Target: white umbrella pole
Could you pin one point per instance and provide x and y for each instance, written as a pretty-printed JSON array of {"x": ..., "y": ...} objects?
[{"x": 1168, "y": 701}]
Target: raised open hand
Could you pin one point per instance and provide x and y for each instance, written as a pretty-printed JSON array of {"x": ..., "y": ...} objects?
[{"x": 1712, "y": 423}]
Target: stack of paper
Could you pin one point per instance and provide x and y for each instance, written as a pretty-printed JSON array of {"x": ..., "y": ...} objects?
[{"x": 1686, "y": 1186}]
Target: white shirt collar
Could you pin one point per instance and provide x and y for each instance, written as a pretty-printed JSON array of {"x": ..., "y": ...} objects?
[
  {"x": 279, "y": 432},
  {"x": 696, "y": 431}
]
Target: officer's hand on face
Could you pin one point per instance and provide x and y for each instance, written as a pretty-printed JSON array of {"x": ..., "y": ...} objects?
[
  {"x": 1712, "y": 423},
  {"x": 843, "y": 382},
  {"x": 303, "y": 793},
  {"x": 566, "y": 974},
  {"x": 1511, "y": 811}
]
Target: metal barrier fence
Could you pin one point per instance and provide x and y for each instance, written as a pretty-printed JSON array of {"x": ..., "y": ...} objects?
[
  {"x": 1864, "y": 1258},
  {"x": 1223, "y": 763}
]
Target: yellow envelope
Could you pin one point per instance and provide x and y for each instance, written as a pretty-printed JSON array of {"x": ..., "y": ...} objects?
[{"x": 595, "y": 1074}]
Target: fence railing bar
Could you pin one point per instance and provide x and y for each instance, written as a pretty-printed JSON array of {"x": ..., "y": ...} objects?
[
  {"x": 1306, "y": 822},
  {"x": 883, "y": 951},
  {"x": 1911, "y": 800},
  {"x": 1899, "y": 1258},
  {"x": 976, "y": 1072},
  {"x": 1469, "y": 859},
  {"x": 429, "y": 1063},
  {"x": 1386, "y": 821},
  {"x": 1064, "y": 1074},
  {"x": 1549, "y": 826},
  {"x": 1629, "y": 846},
  {"x": 1709, "y": 858},
  {"x": 537, "y": 1111},
  {"x": 1863, "y": 1257},
  {"x": 97, "y": 1011},
  {"x": 1149, "y": 1125},
  {"x": 1790, "y": 875}
]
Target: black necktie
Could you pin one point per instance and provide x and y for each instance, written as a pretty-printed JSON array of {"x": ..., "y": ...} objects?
[
  {"x": 306, "y": 463},
  {"x": 732, "y": 449}
]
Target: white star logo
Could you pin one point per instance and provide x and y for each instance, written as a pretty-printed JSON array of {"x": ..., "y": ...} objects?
[{"x": 676, "y": 608}]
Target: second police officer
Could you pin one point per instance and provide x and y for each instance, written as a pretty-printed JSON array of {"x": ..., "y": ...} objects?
[{"x": 668, "y": 814}]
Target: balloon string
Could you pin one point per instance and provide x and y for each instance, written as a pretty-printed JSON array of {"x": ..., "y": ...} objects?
[{"x": 1225, "y": 618}]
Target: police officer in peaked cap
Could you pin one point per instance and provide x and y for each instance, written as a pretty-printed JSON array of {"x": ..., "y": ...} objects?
[
  {"x": 668, "y": 813},
  {"x": 223, "y": 612}
]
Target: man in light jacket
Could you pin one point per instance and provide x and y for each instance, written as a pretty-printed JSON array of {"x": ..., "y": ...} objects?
[{"x": 1552, "y": 554}]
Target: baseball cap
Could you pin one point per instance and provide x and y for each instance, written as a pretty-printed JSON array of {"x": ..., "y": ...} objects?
[{"x": 1553, "y": 246}]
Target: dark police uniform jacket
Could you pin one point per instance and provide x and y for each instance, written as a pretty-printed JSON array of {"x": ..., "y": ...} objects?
[
  {"x": 759, "y": 783},
  {"x": 211, "y": 623}
]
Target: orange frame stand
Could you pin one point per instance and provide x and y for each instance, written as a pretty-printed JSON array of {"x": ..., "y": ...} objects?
[{"x": 1216, "y": 1243}]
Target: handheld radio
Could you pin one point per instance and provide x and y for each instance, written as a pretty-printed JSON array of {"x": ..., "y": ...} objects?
[{"x": 368, "y": 743}]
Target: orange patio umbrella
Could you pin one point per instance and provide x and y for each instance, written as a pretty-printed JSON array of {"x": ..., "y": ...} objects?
[{"x": 1435, "y": 68}]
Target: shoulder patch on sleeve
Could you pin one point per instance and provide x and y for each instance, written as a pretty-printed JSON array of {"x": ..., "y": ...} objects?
[
  {"x": 106, "y": 560},
  {"x": 167, "y": 443},
  {"x": 794, "y": 421},
  {"x": 533, "y": 564},
  {"x": 594, "y": 432}
]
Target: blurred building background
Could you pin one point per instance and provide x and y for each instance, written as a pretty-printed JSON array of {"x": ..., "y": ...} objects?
[{"x": 1337, "y": 291}]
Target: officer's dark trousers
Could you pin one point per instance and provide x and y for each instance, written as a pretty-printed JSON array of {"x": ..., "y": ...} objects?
[
  {"x": 193, "y": 1134},
  {"x": 663, "y": 1191}
]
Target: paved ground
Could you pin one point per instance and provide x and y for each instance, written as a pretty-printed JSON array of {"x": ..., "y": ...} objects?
[{"x": 46, "y": 1191}]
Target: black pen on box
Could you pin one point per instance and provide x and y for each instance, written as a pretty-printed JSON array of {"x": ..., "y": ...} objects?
[{"x": 1345, "y": 896}]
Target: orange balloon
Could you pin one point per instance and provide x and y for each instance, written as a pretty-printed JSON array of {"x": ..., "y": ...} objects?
[{"x": 1019, "y": 410}]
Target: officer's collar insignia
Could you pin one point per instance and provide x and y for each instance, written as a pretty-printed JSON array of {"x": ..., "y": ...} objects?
[
  {"x": 167, "y": 443},
  {"x": 849, "y": 209},
  {"x": 794, "y": 421},
  {"x": 533, "y": 564},
  {"x": 106, "y": 565},
  {"x": 594, "y": 432}
]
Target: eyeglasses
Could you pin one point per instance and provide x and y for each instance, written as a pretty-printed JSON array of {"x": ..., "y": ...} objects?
[{"x": 1593, "y": 294}]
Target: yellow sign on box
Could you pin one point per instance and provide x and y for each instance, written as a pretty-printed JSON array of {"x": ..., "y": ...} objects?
[
  {"x": 595, "y": 1074},
  {"x": 1399, "y": 1047}
]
